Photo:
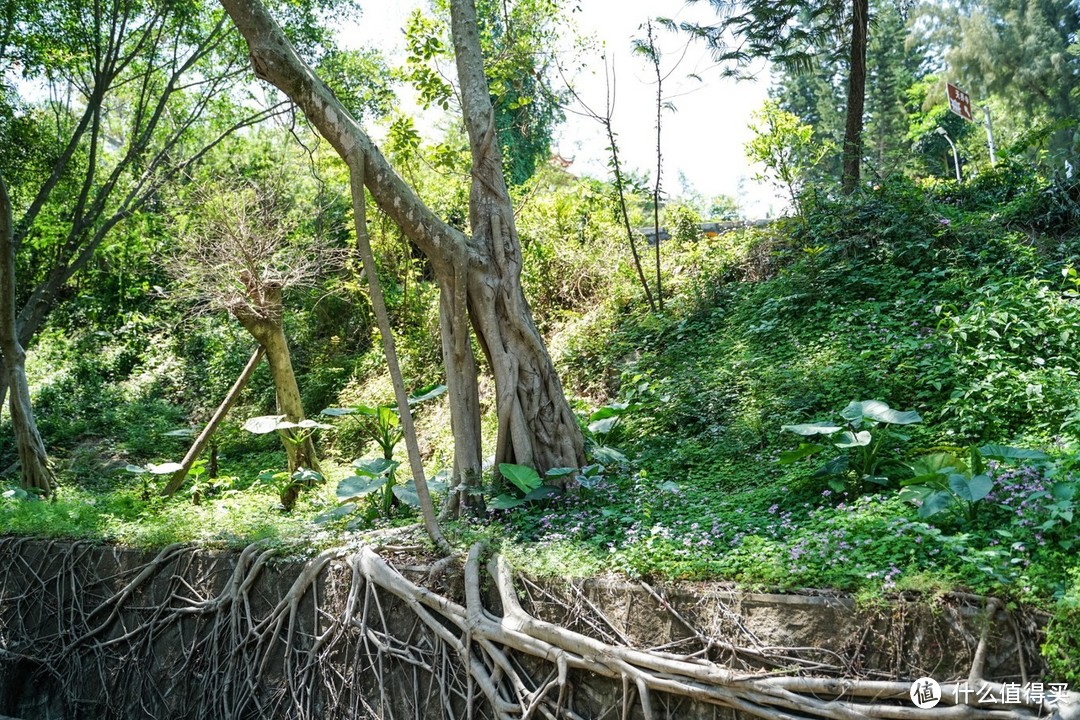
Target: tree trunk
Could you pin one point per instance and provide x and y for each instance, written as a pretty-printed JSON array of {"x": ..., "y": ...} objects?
[
  {"x": 34, "y": 468},
  {"x": 536, "y": 426},
  {"x": 267, "y": 329},
  {"x": 196, "y": 448},
  {"x": 479, "y": 277},
  {"x": 860, "y": 18}
]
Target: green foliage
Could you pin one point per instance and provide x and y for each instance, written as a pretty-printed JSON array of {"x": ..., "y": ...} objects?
[
  {"x": 957, "y": 480},
  {"x": 786, "y": 147},
  {"x": 865, "y": 432}
]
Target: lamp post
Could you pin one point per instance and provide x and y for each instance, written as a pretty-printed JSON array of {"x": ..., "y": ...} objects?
[{"x": 956, "y": 158}]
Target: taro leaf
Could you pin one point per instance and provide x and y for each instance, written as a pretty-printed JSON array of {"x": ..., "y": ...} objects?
[
  {"x": 934, "y": 503},
  {"x": 407, "y": 494},
  {"x": 307, "y": 477},
  {"x": 936, "y": 464},
  {"x": 335, "y": 514},
  {"x": 879, "y": 412},
  {"x": 542, "y": 493},
  {"x": 16, "y": 494},
  {"x": 588, "y": 482},
  {"x": 357, "y": 487},
  {"x": 804, "y": 450},
  {"x": 182, "y": 432},
  {"x": 971, "y": 489},
  {"x": 1004, "y": 452},
  {"x": 670, "y": 486},
  {"x": 916, "y": 493},
  {"x": 505, "y": 502},
  {"x": 522, "y": 476},
  {"x": 558, "y": 472},
  {"x": 374, "y": 467},
  {"x": 608, "y": 455},
  {"x": 878, "y": 479},
  {"x": 426, "y": 393},
  {"x": 836, "y": 484},
  {"x": 1063, "y": 490},
  {"x": 308, "y": 424},
  {"x": 604, "y": 425},
  {"x": 137, "y": 469},
  {"x": 808, "y": 429},
  {"x": 849, "y": 439},
  {"x": 338, "y": 412},
  {"x": 592, "y": 470},
  {"x": 836, "y": 466},
  {"x": 164, "y": 468},
  {"x": 263, "y": 424}
]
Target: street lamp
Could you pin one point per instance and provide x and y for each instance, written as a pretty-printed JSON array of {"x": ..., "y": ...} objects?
[{"x": 955, "y": 158}]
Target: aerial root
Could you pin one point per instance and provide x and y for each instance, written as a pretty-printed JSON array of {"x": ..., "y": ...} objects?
[{"x": 351, "y": 636}]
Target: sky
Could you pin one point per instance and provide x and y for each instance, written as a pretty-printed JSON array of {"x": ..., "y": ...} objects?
[{"x": 702, "y": 138}]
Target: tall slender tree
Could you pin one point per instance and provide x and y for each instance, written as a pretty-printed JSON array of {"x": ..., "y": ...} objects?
[
  {"x": 478, "y": 274},
  {"x": 793, "y": 33}
]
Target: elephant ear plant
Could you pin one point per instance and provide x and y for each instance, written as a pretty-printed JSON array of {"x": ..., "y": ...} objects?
[
  {"x": 380, "y": 424},
  {"x": 861, "y": 440},
  {"x": 959, "y": 480}
]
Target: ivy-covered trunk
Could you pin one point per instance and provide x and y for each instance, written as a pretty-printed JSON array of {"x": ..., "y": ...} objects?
[
  {"x": 479, "y": 276},
  {"x": 34, "y": 468}
]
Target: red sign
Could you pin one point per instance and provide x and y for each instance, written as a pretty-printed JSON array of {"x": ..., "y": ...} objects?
[{"x": 959, "y": 101}]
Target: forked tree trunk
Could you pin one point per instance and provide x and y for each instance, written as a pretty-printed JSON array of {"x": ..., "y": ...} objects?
[
  {"x": 34, "y": 468},
  {"x": 478, "y": 276}
]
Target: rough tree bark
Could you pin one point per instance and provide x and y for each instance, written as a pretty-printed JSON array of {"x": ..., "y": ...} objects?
[
  {"x": 266, "y": 327},
  {"x": 33, "y": 463},
  {"x": 856, "y": 100},
  {"x": 478, "y": 276}
]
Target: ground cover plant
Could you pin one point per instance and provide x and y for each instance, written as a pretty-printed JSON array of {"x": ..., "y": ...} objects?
[{"x": 730, "y": 438}]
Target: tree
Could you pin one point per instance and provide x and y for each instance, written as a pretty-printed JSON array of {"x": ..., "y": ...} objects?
[
  {"x": 239, "y": 254},
  {"x": 792, "y": 33},
  {"x": 786, "y": 147},
  {"x": 478, "y": 275},
  {"x": 1016, "y": 51},
  {"x": 33, "y": 463},
  {"x": 515, "y": 41},
  {"x": 817, "y": 95},
  {"x": 130, "y": 87}
]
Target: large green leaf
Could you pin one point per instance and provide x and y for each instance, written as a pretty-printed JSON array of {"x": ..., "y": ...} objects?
[
  {"x": 338, "y": 412},
  {"x": 604, "y": 425},
  {"x": 804, "y": 450},
  {"x": 936, "y": 464},
  {"x": 427, "y": 393},
  {"x": 849, "y": 439},
  {"x": 878, "y": 411},
  {"x": 807, "y": 429},
  {"x": 407, "y": 494},
  {"x": 523, "y": 477},
  {"x": 505, "y": 502},
  {"x": 542, "y": 493},
  {"x": 836, "y": 466},
  {"x": 164, "y": 468},
  {"x": 357, "y": 487},
  {"x": 263, "y": 424},
  {"x": 374, "y": 467},
  {"x": 1004, "y": 452},
  {"x": 334, "y": 514},
  {"x": 935, "y": 502},
  {"x": 971, "y": 489}
]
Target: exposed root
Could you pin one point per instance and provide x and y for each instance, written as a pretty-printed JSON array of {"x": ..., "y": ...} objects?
[{"x": 350, "y": 636}]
